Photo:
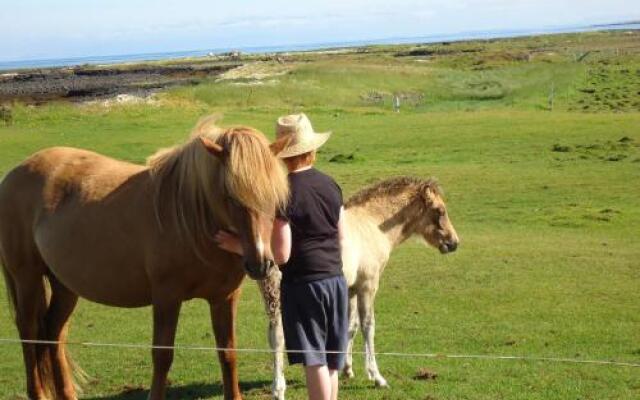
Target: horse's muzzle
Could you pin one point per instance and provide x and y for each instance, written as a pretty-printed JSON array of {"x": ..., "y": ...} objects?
[
  {"x": 449, "y": 247},
  {"x": 258, "y": 271}
]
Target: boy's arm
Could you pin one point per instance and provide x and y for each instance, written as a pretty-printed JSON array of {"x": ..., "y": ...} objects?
[
  {"x": 281, "y": 241},
  {"x": 341, "y": 228}
]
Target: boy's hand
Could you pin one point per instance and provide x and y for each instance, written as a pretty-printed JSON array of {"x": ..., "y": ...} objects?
[{"x": 228, "y": 241}]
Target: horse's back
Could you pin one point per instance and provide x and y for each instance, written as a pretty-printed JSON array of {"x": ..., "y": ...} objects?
[
  {"x": 44, "y": 181},
  {"x": 74, "y": 210}
]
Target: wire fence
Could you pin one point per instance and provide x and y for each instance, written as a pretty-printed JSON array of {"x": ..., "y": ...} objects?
[{"x": 389, "y": 354}]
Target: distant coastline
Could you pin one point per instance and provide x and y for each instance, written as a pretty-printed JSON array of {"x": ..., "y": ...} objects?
[
  {"x": 616, "y": 24},
  {"x": 471, "y": 35}
]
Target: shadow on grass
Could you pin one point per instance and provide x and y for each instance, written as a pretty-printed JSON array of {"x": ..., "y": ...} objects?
[{"x": 191, "y": 391}]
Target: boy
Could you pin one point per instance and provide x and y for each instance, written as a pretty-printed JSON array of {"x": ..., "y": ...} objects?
[{"x": 306, "y": 244}]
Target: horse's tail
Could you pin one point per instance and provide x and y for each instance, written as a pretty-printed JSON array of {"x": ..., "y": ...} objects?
[
  {"x": 79, "y": 376},
  {"x": 8, "y": 282},
  {"x": 43, "y": 352},
  {"x": 10, "y": 286}
]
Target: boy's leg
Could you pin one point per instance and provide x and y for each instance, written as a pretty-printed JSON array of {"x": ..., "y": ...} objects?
[
  {"x": 333, "y": 376},
  {"x": 319, "y": 384}
]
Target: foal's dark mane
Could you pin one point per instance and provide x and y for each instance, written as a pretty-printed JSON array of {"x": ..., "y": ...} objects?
[{"x": 390, "y": 187}]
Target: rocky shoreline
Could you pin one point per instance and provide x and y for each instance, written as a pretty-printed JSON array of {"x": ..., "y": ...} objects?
[{"x": 83, "y": 83}]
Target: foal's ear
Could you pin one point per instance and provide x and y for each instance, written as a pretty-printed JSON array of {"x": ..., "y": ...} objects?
[
  {"x": 212, "y": 147},
  {"x": 280, "y": 144},
  {"x": 428, "y": 192}
]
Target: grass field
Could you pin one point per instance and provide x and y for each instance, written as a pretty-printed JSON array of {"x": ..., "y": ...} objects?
[{"x": 544, "y": 197}]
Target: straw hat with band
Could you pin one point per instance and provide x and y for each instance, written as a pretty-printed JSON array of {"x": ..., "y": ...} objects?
[{"x": 303, "y": 138}]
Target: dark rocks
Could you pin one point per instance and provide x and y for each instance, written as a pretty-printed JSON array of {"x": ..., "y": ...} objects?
[{"x": 84, "y": 82}]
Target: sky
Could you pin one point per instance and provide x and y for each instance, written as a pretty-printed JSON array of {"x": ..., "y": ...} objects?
[{"x": 46, "y": 29}]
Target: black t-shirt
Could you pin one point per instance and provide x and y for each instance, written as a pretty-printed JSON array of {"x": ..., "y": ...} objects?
[{"x": 313, "y": 213}]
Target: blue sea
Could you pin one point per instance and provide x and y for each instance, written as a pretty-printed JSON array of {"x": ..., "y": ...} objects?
[{"x": 118, "y": 59}]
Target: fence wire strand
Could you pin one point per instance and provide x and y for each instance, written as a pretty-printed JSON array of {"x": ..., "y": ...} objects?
[{"x": 271, "y": 351}]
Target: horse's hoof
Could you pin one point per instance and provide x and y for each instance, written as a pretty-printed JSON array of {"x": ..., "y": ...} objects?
[{"x": 348, "y": 374}]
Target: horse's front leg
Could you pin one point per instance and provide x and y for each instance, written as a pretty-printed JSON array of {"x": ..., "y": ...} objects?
[
  {"x": 276, "y": 341},
  {"x": 165, "y": 321},
  {"x": 367, "y": 320},
  {"x": 354, "y": 323},
  {"x": 270, "y": 289},
  {"x": 223, "y": 317}
]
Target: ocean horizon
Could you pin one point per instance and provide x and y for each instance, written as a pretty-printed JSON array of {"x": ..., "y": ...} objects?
[{"x": 141, "y": 57}]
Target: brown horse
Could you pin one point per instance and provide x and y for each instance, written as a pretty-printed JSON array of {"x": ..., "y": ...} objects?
[{"x": 127, "y": 235}]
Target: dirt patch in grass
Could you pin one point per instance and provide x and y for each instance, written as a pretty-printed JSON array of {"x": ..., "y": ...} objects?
[
  {"x": 560, "y": 148},
  {"x": 128, "y": 389},
  {"x": 609, "y": 150},
  {"x": 256, "y": 71},
  {"x": 341, "y": 158},
  {"x": 425, "y": 374}
]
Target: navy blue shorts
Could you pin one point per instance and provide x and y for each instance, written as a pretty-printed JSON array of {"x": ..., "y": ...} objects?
[{"x": 315, "y": 319}]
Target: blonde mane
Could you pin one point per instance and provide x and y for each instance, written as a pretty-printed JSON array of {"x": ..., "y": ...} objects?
[{"x": 191, "y": 186}]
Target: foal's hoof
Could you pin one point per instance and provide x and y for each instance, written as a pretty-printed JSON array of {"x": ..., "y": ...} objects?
[
  {"x": 381, "y": 382},
  {"x": 277, "y": 395},
  {"x": 348, "y": 373}
]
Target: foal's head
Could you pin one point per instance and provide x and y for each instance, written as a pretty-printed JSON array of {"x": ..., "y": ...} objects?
[{"x": 433, "y": 222}]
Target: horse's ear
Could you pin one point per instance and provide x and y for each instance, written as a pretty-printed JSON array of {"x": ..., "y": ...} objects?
[
  {"x": 280, "y": 144},
  {"x": 212, "y": 147},
  {"x": 428, "y": 192}
]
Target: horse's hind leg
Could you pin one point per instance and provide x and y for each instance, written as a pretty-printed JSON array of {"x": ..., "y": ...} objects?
[
  {"x": 366, "y": 298},
  {"x": 31, "y": 303},
  {"x": 62, "y": 304}
]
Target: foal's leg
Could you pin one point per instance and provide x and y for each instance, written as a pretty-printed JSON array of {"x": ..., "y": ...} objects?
[
  {"x": 63, "y": 302},
  {"x": 354, "y": 323},
  {"x": 165, "y": 322},
  {"x": 223, "y": 316},
  {"x": 366, "y": 298},
  {"x": 270, "y": 289}
]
